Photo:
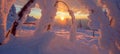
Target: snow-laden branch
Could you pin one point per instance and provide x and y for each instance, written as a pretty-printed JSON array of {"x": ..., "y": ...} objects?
[{"x": 22, "y": 16}]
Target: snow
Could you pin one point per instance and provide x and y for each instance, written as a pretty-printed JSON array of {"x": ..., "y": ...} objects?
[
  {"x": 43, "y": 40},
  {"x": 73, "y": 26},
  {"x": 53, "y": 42}
]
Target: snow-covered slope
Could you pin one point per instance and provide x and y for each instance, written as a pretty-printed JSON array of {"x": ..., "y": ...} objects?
[{"x": 53, "y": 42}]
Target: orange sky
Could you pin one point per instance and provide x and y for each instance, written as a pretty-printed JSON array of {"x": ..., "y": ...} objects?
[{"x": 61, "y": 13}]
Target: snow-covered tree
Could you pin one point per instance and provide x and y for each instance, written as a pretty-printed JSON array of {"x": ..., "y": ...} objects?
[
  {"x": 12, "y": 16},
  {"x": 5, "y": 6},
  {"x": 93, "y": 21},
  {"x": 48, "y": 14},
  {"x": 113, "y": 11},
  {"x": 109, "y": 35}
]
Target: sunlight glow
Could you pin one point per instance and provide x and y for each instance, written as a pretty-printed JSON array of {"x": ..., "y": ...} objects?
[
  {"x": 62, "y": 18},
  {"x": 60, "y": 14},
  {"x": 78, "y": 15}
]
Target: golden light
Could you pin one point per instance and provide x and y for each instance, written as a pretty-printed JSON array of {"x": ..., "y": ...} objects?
[
  {"x": 80, "y": 15},
  {"x": 62, "y": 7},
  {"x": 62, "y": 15}
]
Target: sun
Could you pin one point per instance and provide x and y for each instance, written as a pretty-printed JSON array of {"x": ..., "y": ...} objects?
[{"x": 62, "y": 18}]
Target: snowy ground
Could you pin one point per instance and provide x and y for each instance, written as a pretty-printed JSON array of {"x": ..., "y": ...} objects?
[{"x": 53, "y": 42}]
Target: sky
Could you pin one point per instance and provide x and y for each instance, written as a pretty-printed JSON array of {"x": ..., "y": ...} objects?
[
  {"x": 35, "y": 12},
  {"x": 79, "y": 10}
]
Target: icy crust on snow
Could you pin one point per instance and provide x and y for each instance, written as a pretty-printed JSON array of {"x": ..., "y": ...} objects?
[{"x": 52, "y": 43}]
